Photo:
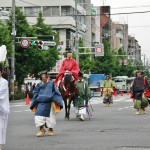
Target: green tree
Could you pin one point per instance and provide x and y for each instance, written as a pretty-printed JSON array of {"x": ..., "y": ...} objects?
[
  {"x": 5, "y": 35},
  {"x": 123, "y": 69},
  {"x": 104, "y": 64},
  {"x": 31, "y": 59},
  {"x": 50, "y": 56},
  {"x": 84, "y": 59}
]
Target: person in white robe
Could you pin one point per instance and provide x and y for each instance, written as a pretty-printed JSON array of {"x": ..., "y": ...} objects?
[{"x": 4, "y": 107}]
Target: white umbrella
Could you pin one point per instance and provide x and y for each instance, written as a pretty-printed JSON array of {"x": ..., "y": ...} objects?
[{"x": 3, "y": 53}]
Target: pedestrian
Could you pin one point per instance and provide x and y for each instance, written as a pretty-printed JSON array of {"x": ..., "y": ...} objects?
[
  {"x": 23, "y": 88},
  {"x": 83, "y": 94},
  {"x": 107, "y": 88},
  {"x": 16, "y": 88},
  {"x": 33, "y": 86},
  {"x": 69, "y": 65},
  {"x": 137, "y": 90},
  {"x": 4, "y": 107},
  {"x": 46, "y": 102},
  {"x": 27, "y": 90}
]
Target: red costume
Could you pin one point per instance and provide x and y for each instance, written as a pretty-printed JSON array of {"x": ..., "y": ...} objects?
[{"x": 70, "y": 65}]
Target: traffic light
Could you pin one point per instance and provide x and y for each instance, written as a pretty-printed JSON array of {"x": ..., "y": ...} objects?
[
  {"x": 40, "y": 44},
  {"x": 33, "y": 43}
]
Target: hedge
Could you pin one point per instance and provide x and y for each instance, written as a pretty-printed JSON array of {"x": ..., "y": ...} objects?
[{"x": 18, "y": 96}]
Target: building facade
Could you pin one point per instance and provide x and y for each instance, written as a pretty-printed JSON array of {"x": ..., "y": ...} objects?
[
  {"x": 119, "y": 36},
  {"x": 134, "y": 50},
  {"x": 60, "y": 15}
]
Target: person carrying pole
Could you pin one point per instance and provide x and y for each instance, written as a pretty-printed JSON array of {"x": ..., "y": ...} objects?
[{"x": 82, "y": 96}]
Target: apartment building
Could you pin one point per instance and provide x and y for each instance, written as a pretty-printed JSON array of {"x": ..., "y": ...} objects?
[
  {"x": 105, "y": 23},
  {"x": 59, "y": 14},
  {"x": 119, "y": 36},
  {"x": 134, "y": 50},
  {"x": 4, "y": 15}
]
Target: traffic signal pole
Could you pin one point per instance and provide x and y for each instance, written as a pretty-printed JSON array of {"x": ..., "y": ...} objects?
[
  {"x": 12, "y": 80},
  {"x": 76, "y": 35}
]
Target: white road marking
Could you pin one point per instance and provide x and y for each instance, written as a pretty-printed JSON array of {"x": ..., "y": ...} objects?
[
  {"x": 18, "y": 105},
  {"x": 22, "y": 110},
  {"x": 93, "y": 100},
  {"x": 125, "y": 108}
]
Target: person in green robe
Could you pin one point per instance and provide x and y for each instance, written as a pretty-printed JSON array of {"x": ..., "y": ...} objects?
[{"x": 82, "y": 96}]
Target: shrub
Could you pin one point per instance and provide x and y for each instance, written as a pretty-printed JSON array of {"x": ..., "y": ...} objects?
[{"x": 17, "y": 96}]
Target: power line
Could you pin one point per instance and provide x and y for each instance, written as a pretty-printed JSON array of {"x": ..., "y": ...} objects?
[
  {"x": 147, "y": 26},
  {"x": 91, "y": 14},
  {"x": 97, "y": 14},
  {"x": 29, "y": 3},
  {"x": 130, "y": 7},
  {"x": 140, "y": 12}
]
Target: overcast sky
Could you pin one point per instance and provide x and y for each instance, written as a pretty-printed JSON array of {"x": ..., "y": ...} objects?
[{"x": 139, "y": 24}]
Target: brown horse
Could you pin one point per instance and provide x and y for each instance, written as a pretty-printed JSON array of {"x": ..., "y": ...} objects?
[{"x": 67, "y": 90}]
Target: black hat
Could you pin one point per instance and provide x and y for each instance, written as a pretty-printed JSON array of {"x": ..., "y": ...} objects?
[
  {"x": 107, "y": 76},
  {"x": 80, "y": 74},
  {"x": 68, "y": 50},
  {"x": 42, "y": 72}
]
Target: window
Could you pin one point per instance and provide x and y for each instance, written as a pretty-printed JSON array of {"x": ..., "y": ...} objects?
[
  {"x": 55, "y": 10},
  {"x": 47, "y": 11},
  {"x": 68, "y": 34},
  {"x": 8, "y": 8},
  {"x": 32, "y": 11},
  {"x": 66, "y": 11}
]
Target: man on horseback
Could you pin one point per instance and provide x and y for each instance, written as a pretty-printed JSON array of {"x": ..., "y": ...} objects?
[{"x": 69, "y": 65}]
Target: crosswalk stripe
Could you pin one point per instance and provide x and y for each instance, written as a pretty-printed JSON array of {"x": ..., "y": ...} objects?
[
  {"x": 93, "y": 100},
  {"x": 125, "y": 108}
]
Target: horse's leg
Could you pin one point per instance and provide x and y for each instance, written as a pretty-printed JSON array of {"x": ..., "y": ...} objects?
[
  {"x": 66, "y": 108},
  {"x": 69, "y": 105}
]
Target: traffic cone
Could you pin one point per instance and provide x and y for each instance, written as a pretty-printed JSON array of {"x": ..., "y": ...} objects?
[
  {"x": 27, "y": 100},
  {"x": 115, "y": 92},
  {"x": 121, "y": 93},
  {"x": 128, "y": 93}
]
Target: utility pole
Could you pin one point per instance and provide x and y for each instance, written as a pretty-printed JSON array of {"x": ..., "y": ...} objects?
[
  {"x": 13, "y": 48},
  {"x": 144, "y": 60},
  {"x": 76, "y": 36}
]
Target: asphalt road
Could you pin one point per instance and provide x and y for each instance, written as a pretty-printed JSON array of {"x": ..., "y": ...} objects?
[{"x": 110, "y": 128}]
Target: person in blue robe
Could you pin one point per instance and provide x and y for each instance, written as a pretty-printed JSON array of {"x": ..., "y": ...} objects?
[{"x": 46, "y": 102}]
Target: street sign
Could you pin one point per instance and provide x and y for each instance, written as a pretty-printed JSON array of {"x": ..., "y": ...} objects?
[
  {"x": 25, "y": 42},
  {"x": 49, "y": 43},
  {"x": 99, "y": 50}
]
